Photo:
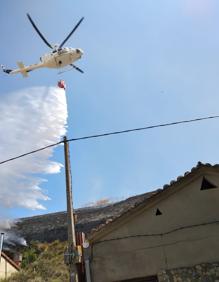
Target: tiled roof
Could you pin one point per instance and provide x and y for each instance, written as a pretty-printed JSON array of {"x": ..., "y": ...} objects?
[
  {"x": 155, "y": 193},
  {"x": 193, "y": 170}
]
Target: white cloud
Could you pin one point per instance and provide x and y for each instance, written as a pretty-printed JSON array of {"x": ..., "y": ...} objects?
[{"x": 30, "y": 119}]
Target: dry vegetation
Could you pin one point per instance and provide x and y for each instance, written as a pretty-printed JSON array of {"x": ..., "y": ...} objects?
[{"x": 41, "y": 263}]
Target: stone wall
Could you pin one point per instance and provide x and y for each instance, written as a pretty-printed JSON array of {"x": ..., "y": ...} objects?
[{"x": 206, "y": 272}]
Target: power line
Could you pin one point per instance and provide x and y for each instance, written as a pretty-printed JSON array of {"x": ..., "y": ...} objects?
[
  {"x": 31, "y": 152},
  {"x": 111, "y": 133},
  {"x": 142, "y": 128},
  {"x": 158, "y": 234}
]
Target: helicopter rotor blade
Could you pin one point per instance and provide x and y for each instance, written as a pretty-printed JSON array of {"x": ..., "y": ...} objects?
[
  {"x": 70, "y": 34},
  {"x": 77, "y": 68},
  {"x": 37, "y": 30}
]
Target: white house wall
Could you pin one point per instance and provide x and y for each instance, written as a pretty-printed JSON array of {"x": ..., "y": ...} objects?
[{"x": 6, "y": 269}]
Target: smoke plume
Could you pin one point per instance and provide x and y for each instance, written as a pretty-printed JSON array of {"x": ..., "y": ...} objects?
[{"x": 30, "y": 119}]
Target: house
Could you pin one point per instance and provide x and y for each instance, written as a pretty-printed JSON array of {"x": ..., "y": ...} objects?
[
  {"x": 172, "y": 235},
  {"x": 7, "y": 266}
]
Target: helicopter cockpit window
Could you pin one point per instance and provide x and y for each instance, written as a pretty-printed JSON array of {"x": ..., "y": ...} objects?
[{"x": 63, "y": 51}]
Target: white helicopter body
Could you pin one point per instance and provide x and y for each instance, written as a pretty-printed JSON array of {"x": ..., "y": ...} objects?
[{"x": 60, "y": 57}]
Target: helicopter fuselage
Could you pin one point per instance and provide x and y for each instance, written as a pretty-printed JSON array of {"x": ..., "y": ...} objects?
[
  {"x": 61, "y": 58},
  {"x": 56, "y": 59}
]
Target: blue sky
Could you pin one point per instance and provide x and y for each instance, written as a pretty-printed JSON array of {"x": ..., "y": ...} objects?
[{"x": 145, "y": 62}]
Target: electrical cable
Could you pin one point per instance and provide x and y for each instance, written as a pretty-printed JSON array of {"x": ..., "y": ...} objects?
[
  {"x": 141, "y": 128},
  {"x": 110, "y": 133},
  {"x": 31, "y": 152},
  {"x": 157, "y": 234}
]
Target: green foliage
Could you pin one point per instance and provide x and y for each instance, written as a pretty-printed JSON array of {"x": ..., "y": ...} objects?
[
  {"x": 42, "y": 263},
  {"x": 29, "y": 255}
]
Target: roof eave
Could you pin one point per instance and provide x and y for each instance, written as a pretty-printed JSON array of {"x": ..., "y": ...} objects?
[{"x": 167, "y": 190}]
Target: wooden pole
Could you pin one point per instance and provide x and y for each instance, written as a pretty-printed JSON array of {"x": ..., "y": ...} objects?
[
  {"x": 72, "y": 249},
  {"x": 1, "y": 244}
]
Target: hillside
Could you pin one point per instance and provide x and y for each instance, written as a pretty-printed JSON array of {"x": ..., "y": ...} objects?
[
  {"x": 51, "y": 227},
  {"x": 45, "y": 257}
]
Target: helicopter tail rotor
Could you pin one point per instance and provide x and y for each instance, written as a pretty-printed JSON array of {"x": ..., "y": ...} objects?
[{"x": 8, "y": 71}]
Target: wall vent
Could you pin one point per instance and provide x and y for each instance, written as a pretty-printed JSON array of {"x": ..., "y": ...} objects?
[
  {"x": 158, "y": 212},
  {"x": 206, "y": 184}
]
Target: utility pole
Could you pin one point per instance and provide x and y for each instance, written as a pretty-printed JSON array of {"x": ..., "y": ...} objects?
[
  {"x": 1, "y": 244},
  {"x": 71, "y": 256}
]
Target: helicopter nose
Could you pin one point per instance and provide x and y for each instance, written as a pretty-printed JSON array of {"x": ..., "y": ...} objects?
[{"x": 79, "y": 51}]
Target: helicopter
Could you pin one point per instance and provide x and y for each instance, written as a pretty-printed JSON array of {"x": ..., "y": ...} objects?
[{"x": 60, "y": 56}]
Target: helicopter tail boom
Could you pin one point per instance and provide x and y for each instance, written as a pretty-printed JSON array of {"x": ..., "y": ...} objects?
[{"x": 22, "y": 69}]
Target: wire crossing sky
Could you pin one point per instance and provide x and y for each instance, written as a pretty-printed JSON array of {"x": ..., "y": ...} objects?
[{"x": 108, "y": 134}]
